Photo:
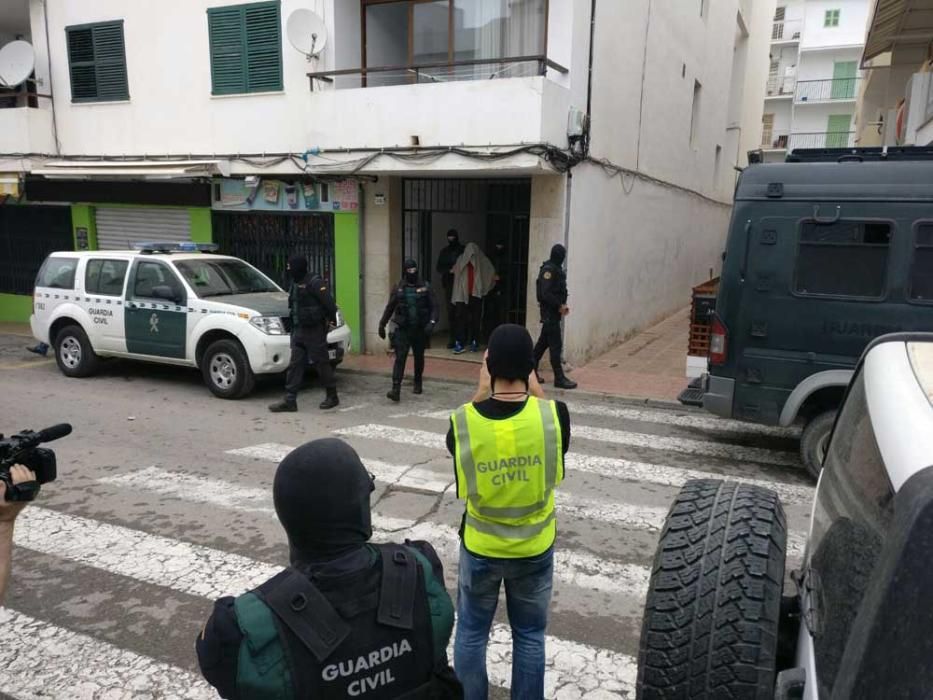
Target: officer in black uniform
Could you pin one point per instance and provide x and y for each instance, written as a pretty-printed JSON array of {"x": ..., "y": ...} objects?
[
  {"x": 495, "y": 304},
  {"x": 445, "y": 268},
  {"x": 346, "y": 618},
  {"x": 414, "y": 312},
  {"x": 552, "y": 298},
  {"x": 312, "y": 310}
]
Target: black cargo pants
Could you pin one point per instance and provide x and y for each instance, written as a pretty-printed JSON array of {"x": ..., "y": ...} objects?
[{"x": 309, "y": 343}]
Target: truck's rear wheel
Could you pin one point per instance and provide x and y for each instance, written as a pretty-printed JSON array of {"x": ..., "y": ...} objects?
[
  {"x": 814, "y": 441},
  {"x": 74, "y": 354},
  {"x": 714, "y": 601},
  {"x": 226, "y": 371}
]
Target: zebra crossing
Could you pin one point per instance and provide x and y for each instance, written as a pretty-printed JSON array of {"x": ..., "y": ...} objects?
[{"x": 624, "y": 468}]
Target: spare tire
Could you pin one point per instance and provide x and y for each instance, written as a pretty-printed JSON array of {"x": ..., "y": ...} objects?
[{"x": 714, "y": 601}]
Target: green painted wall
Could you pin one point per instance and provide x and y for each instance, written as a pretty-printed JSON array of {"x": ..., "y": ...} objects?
[
  {"x": 347, "y": 261},
  {"x": 15, "y": 308},
  {"x": 82, "y": 216},
  {"x": 201, "y": 231}
]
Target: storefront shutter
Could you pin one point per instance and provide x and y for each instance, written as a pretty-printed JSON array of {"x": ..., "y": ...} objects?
[{"x": 120, "y": 228}]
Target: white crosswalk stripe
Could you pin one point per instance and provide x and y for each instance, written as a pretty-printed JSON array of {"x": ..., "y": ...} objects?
[
  {"x": 41, "y": 660},
  {"x": 604, "y": 466},
  {"x": 707, "y": 423},
  {"x": 209, "y": 573}
]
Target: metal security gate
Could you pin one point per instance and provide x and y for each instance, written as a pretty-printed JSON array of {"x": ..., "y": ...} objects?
[
  {"x": 27, "y": 235},
  {"x": 120, "y": 228},
  {"x": 267, "y": 241}
]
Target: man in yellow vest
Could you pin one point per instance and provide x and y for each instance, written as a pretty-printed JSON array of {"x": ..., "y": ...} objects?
[{"x": 508, "y": 447}]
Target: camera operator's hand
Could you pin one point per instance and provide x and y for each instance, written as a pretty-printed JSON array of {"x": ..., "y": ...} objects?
[{"x": 10, "y": 509}]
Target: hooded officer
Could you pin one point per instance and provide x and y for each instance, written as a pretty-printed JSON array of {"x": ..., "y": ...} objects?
[
  {"x": 552, "y": 298},
  {"x": 312, "y": 309},
  {"x": 445, "y": 268},
  {"x": 346, "y": 618},
  {"x": 411, "y": 306}
]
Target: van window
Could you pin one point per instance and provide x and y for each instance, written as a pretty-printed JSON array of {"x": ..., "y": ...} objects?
[
  {"x": 851, "y": 520},
  {"x": 105, "y": 277},
  {"x": 845, "y": 258},
  {"x": 921, "y": 271},
  {"x": 57, "y": 273}
]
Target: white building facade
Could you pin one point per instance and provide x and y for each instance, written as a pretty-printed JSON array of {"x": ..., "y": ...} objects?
[
  {"x": 531, "y": 122},
  {"x": 814, "y": 75}
]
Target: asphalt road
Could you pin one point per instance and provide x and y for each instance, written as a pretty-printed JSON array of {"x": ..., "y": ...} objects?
[{"x": 163, "y": 503}]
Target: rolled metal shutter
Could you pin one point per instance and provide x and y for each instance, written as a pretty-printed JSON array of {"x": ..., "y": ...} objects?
[{"x": 119, "y": 228}]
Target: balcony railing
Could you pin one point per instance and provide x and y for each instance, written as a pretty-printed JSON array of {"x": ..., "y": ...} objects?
[
  {"x": 787, "y": 30},
  {"x": 441, "y": 72},
  {"x": 818, "y": 139},
  {"x": 25, "y": 95},
  {"x": 781, "y": 86},
  {"x": 826, "y": 90}
]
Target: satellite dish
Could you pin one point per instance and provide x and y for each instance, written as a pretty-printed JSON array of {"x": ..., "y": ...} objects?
[
  {"x": 17, "y": 61},
  {"x": 306, "y": 32}
]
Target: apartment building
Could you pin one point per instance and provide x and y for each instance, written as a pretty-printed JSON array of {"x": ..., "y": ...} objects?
[
  {"x": 814, "y": 75},
  {"x": 612, "y": 127},
  {"x": 895, "y": 105}
]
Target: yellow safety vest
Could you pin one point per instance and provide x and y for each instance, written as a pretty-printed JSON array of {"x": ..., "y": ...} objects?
[{"x": 507, "y": 470}]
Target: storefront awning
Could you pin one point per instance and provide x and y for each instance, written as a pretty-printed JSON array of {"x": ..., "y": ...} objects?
[
  {"x": 899, "y": 27},
  {"x": 137, "y": 170}
]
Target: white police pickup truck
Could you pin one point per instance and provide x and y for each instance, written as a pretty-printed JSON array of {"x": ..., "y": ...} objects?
[{"x": 168, "y": 304}]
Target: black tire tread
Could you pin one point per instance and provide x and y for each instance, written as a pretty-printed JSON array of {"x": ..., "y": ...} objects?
[
  {"x": 90, "y": 362},
  {"x": 810, "y": 437},
  {"x": 247, "y": 379},
  {"x": 710, "y": 628}
]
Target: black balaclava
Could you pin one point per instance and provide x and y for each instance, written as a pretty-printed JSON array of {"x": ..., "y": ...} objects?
[
  {"x": 321, "y": 495},
  {"x": 298, "y": 267},
  {"x": 453, "y": 238},
  {"x": 511, "y": 353},
  {"x": 558, "y": 254},
  {"x": 410, "y": 277}
]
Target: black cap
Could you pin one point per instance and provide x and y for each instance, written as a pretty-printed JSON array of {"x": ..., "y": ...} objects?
[
  {"x": 409, "y": 264},
  {"x": 558, "y": 254},
  {"x": 510, "y": 353},
  {"x": 321, "y": 495}
]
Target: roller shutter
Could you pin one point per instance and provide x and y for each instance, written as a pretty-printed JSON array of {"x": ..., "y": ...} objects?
[{"x": 119, "y": 228}]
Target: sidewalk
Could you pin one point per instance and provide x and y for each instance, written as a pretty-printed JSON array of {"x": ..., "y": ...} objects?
[{"x": 649, "y": 366}]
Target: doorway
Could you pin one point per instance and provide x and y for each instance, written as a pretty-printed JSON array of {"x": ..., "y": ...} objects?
[{"x": 482, "y": 212}]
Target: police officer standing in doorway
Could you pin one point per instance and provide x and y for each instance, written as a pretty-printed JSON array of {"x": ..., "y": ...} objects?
[
  {"x": 552, "y": 298},
  {"x": 312, "y": 308},
  {"x": 414, "y": 312},
  {"x": 445, "y": 268},
  {"x": 346, "y": 618}
]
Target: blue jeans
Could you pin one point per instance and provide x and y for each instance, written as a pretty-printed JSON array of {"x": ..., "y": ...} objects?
[{"x": 528, "y": 584}]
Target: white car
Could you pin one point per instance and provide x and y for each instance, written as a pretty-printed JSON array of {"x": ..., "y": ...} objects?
[
  {"x": 160, "y": 304},
  {"x": 855, "y": 621}
]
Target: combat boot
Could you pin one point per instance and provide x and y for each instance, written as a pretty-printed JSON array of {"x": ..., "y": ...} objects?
[
  {"x": 396, "y": 393},
  {"x": 418, "y": 388},
  {"x": 331, "y": 401},
  {"x": 284, "y": 406},
  {"x": 564, "y": 382}
]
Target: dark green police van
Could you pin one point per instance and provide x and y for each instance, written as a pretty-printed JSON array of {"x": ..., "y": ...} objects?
[{"x": 825, "y": 252}]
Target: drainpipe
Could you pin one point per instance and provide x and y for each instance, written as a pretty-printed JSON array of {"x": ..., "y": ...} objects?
[
  {"x": 48, "y": 58},
  {"x": 589, "y": 78}
]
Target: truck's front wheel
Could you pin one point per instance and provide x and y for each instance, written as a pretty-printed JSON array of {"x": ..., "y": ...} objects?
[
  {"x": 714, "y": 600},
  {"x": 226, "y": 371}
]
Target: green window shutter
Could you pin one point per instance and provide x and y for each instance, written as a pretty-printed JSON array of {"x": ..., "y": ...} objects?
[
  {"x": 263, "y": 47},
  {"x": 97, "y": 62},
  {"x": 228, "y": 50},
  {"x": 110, "y": 59},
  {"x": 246, "y": 48}
]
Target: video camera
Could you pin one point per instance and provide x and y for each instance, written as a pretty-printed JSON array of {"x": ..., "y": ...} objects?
[{"x": 22, "y": 448}]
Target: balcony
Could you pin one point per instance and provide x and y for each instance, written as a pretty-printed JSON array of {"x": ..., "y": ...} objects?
[
  {"x": 786, "y": 31},
  {"x": 832, "y": 90},
  {"x": 784, "y": 141},
  {"x": 780, "y": 87},
  {"x": 444, "y": 72},
  {"x": 25, "y": 120}
]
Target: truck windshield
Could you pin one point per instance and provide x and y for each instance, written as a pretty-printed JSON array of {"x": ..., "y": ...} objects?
[{"x": 216, "y": 278}]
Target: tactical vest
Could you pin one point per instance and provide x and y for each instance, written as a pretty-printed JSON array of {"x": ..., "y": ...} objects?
[
  {"x": 507, "y": 470},
  {"x": 366, "y": 634},
  {"x": 422, "y": 308}
]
